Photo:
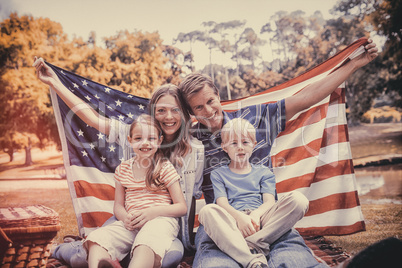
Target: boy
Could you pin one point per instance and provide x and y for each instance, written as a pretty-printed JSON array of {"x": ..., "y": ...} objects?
[{"x": 246, "y": 219}]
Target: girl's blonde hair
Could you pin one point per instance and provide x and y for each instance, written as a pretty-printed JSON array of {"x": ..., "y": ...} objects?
[
  {"x": 152, "y": 179},
  {"x": 180, "y": 147}
]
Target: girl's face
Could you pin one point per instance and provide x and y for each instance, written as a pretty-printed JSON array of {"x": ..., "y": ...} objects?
[
  {"x": 145, "y": 140},
  {"x": 168, "y": 114}
]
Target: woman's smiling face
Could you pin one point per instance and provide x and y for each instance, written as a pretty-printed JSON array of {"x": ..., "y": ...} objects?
[{"x": 168, "y": 114}]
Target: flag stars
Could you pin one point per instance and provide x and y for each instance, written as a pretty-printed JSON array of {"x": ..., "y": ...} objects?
[
  {"x": 130, "y": 115},
  {"x": 118, "y": 103},
  {"x": 80, "y": 133},
  {"x": 92, "y": 146},
  {"x": 112, "y": 148},
  {"x": 75, "y": 85},
  {"x": 85, "y": 83},
  {"x": 107, "y": 90},
  {"x": 141, "y": 106},
  {"x": 121, "y": 118},
  {"x": 100, "y": 136},
  {"x": 84, "y": 153},
  {"x": 122, "y": 159},
  {"x": 103, "y": 159},
  {"x": 88, "y": 98},
  {"x": 96, "y": 96},
  {"x": 130, "y": 96}
]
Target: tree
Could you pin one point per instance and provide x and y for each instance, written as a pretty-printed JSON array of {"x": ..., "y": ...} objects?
[
  {"x": 25, "y": 106},
  {"x": 387, "y": 21},
  {"x": 190, "y": 37},
  {"x": 137, "y": 62}
]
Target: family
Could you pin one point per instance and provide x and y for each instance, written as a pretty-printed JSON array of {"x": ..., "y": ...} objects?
[{"x": 244, "y": 224}]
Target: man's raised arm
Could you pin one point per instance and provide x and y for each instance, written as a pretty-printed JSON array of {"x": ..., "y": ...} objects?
[{"x": 317, "y": 91}]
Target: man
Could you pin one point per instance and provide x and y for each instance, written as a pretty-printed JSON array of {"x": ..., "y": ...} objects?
[{"x": 202, "y": 100}]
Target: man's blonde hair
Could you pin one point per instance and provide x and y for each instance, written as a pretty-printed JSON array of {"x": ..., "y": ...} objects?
[{"x": 238, "y": 127}]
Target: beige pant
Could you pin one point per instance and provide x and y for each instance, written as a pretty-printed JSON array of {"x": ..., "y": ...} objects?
[{"x": 280, "y": 218}]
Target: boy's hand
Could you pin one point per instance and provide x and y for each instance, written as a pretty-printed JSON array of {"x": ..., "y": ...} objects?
[
  {"x": 256, "y": 219},
  {"x": 245, "y": 225}
]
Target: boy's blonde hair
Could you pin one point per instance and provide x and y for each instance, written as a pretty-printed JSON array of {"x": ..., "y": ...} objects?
[{"x": 238, "y": 127}]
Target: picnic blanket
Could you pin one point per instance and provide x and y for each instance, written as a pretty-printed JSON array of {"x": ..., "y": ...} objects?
[{"x": 312, "y": 155}]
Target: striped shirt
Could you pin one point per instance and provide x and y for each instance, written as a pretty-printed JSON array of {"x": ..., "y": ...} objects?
[
  {"x": 268, "y": 119},
  {"x": 138, "y": 196}
]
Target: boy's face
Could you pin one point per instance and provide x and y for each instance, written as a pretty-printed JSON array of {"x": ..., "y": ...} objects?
[{"x": 238, "y": 147}]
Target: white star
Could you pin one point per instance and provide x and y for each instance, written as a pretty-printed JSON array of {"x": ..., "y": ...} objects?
[
  {"x": 121, "y": 117},
  {"x": 112, "y": 148},
  {"x": 130, "y": 115},
  {"x": 75, "y": 85},
  {"x": 118, "y": 103},
  {"x": 129, "y": 96},
  {"x": 92, "y": 146},
  {"x": 141, "y": 106},
  {"x": 62, "y": 72},
  {"x": 88, "y": 98},
  {"x": 122, "y": 159},
  {"x": 84, "y": 83},
  {"x": 110, "y": 108},
  {"x": 80, "y": 133},
  {"x": 103, "y": 159},
  {"x": 84, "y": 153},
  {"x": 107, "y": 90},
  {"x": 100, "y": 136},
  {"x": 96, "y": 96}
]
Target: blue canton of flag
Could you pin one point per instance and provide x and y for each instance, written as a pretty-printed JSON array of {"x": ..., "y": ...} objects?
[{"x": 86, "y": 145}]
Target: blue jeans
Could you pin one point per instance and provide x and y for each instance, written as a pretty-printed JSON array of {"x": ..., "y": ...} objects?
[{"x": 288, "y": 251}]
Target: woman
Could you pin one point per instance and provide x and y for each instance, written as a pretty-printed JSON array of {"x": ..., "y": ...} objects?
[{"x": 186, "y": 153}]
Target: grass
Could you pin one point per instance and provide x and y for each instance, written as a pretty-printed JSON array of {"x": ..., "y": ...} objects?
[
  {"x": 56, "y": 199},
  {"x": 382, "y": 221}
]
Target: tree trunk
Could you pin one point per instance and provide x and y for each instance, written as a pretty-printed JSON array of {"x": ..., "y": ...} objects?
[
  {"x": 227, "y": 84},
  {"x": 10, "y": 152},
  {"x": 28, "y": 155}
]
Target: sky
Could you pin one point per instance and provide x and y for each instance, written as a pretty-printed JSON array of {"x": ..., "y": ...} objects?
[{"x": 167, "y": 17}]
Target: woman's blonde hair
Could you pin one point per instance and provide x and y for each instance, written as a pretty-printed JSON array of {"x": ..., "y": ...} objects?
[
  {"x": 176, "y": 150},
  {"x": 152, "y": 179}
]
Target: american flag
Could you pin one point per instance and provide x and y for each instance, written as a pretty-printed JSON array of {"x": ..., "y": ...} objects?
[{"x": 312, "y": 155}]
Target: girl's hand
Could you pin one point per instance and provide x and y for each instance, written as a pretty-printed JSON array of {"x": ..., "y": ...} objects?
[
  {"x": 128, "y": 222},
  {"x": 370, "y": 54},
  {"x": 139, "y": 218},
  {"x": 44, "y": 72},
  {"x": 245, "y": 225}
]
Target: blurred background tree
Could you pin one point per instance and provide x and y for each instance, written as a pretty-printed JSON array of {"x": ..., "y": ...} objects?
[{"x": 137, "y": 62}]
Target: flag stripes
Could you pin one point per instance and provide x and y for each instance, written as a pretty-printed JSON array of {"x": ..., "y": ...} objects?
[{"x": 312, "y": 155}]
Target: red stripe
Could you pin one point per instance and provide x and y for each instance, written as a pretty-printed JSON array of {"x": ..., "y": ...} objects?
[
  {"x": 321, "y": 173},
  {"x": 101, "y": 191},
  {"x": 333, "y": 202},
  {"x": 95, "y": 219},
  {"x": 331, "y": 135},
  {"x": 334, "y": 230}
]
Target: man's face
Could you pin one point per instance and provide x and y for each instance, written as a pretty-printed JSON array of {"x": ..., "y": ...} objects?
[{"x": 206, "y": 107}]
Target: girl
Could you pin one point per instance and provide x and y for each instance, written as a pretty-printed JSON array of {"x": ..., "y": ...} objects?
[
  {"x": 148, "y": 200},
  {"x": 184, "y": 151}
]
